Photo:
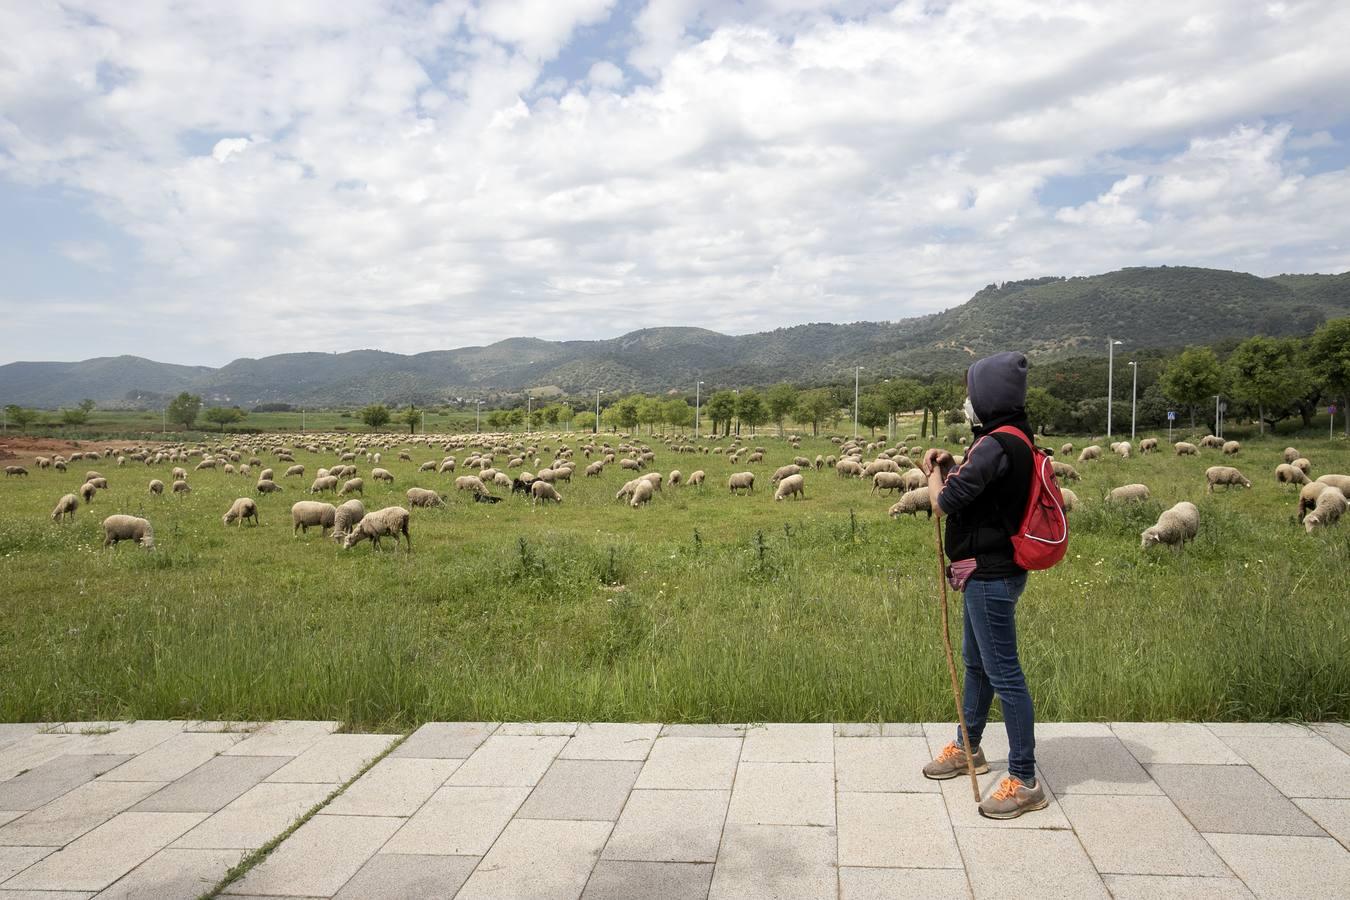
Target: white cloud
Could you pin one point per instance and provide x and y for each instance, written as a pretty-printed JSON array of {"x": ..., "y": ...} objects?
[{"x": 417, "y": 176}]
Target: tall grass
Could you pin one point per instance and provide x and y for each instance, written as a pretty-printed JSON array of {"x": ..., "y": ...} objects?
[{"x": 703, "y": 606}]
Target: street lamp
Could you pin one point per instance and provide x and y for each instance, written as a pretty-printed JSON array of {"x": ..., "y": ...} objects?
[
  {"x": 890, "y": 416},
  {"x": 598, "y": 392},
  {"x": 856, "y": 371},
  {"x": 1110, "y": 378},
  {"x": 529, "y": 410},
  {"x": 1134, "y": 393},
  {"x": 477, "y": 416},
  {"x": 696, "y": 398},
  {"x": 738, "y": 411}
]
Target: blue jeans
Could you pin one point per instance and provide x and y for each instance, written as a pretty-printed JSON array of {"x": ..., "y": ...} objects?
[{"x": 989, "y": 647}]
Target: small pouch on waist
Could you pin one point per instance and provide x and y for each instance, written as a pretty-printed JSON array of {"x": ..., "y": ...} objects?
[{"x": 959, "y": 572}]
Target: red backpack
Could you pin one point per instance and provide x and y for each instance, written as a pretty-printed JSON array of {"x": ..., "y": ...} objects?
[{"x": 1043, "y": 537}]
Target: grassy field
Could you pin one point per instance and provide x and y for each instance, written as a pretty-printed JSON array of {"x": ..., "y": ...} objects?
[
  {"x": 142, "y": 422},
  {"x": 701, "y": 607}
]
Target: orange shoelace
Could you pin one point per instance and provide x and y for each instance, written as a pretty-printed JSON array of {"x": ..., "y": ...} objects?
[
  {"x": 1007, "y": 788},
  {"x": 949, "y": 752}
]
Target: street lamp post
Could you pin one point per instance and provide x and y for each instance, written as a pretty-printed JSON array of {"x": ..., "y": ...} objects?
[
  {"x": 598, "y": 392},
  {"x": 1110, "y": 378},
  {"x": 477, "y": 416},
  {"x": 696, "y": 399},
  {"x": 424, "y": 421},
  {"x": 738, "y": 412},
  {"x": 856, "y": 371},
  {"x": 529, "y": 411},
  {"x": 1134, "y": 394}
]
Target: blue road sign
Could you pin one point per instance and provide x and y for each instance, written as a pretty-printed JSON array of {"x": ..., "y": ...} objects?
[{"x": 1171, "y": 415}]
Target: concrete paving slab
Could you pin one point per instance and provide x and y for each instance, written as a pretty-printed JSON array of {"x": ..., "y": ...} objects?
[
  {"x": 1335, "y": 732},
  {"x": 1231, "y": 799},
  {"x": 32, "y": 751},
  {"x": 539, "y": 729},
  {"x": 130, "y": 737},
  {"x": 1175, "y": 887},
  {"x": 1225, "y": 730},
  {"x": 75, "y": 812},
  {"x": 857, "y": 729},
  {"x": 91, "y": 728},
  {"x": 964, "y": 811},
  {"x": 771, "y": 793},
  {"x": 540, "y": 859},
  {"x": 44, "y": 783},
  {"x": 174, "y": 875},
  {"x": 14, "y": 860},
  {"x": 896, "y": 831},
  {"x": 1300, "y": 767},
  {"x": 507, "y": 760},
  {"x": 212, "y": 785},
  {"x": 399, "y": 876},
  {"x": 172, "y": 759},
  {"x": 669, "y": 826},
  {"x": 1089, "y": 762},
  {"x": 727, "y": 730},
  {"x": 1333, "y": 816},
  {"x": 1281, "y": 866},
  {"x": 619, "y": 740},
  {"x": 45, "y": 895},
  {"x": 994, "y": 742},
  {"x": 582, "y": 789},
  {"x": 13, "y": 732},
  {"x": 445, "y": 740},
  {"x": 9, "y": 815},
  {"x": 1139, "y": 836},
  {"x": 285, "y": 737},
  {"x": 1174, "y": 743},
  {"x": 789, "y": 743},
  {"x": 1019, "y": 862},
  {"x": 334, "y": 758},
  {"x": 902, "y": 729},
  {"x": 888, "y": 764},
  {"x": 255, "y": 817},
  {"x": 393, "y": 787},
  {"x": 691, "y": 763},
  {"x": 902, "y": 884},
  {"x": 105, "y": 854},
  {"x": 782, "y": 862},
  {"x": 623, "y": 880},
  {"x": 319, "y": 858},
  {"x": 458, "y": 821},
  {"x": 222, "y": 725}
]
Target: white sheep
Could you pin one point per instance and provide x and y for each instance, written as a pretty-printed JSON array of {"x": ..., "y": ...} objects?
[
  {"x": 888, "y": 481},
  {"x": 911, "y": 503},
  {"x": 655, "y": 478},
  {"x": 324, "y": 483},
  {"x": 741, "y": 481},
  {"x": 784, "y": 471},
  {"x": 794, "y": 486},
  {"x": 1302, "y": 465},
  {"x": 267, "y": 487},
  {"x": 242, "y": 508},
  {"x": 294, "y": 470},
  {"x": 1070, "y": 499},
  {"x": 1340, "y": 482},
  {"x": 696, "y": 477},
  {"x": 912, "y": 479},
  {"x": 1065, "y": 471},
  {"x": 156, "y": 486},
  {"x": 1186, "y": 448},
  {"x": 87, "y": 492},
  {"x": 1211, "y": 441},
  {"x": 1225, "y": 475},
  {"x": 1148, "y": 445},
  {"x": 265, "y": 475},
  {"x": 181, "y": 487},
  {"x": 424, "y": 498},
  {"x": 308, "y": 513},
  {"x": 180, "y": 474},
  {"x": 1290, "y": 454},
  {"x": 1328, "y": 510},
  {"x": 1175, "y": 527},
  {"x": 471, "y": 483},
  {"x": 353, "y": 486},
  {"x": 675, "y": 478},
  {"x": 391, "y": 521},
  {"x": 1128, "y": 493},
  {"x": 1231, "y": 448},
  {"x": 128, "y": 528},
  {"x": 1308, "y": 494},
  {"x": 643, "y": 491},
  {"x": 1089, "y": 453},
  {"x": 382, "y": 475},
  {"x": 346, "y": 517},
  {"x": 542, "y": 490},
  {"x": 1287, "y": 474},
  {"x": 65, "y": 507}
]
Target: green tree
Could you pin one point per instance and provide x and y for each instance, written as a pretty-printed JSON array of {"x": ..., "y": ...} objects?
[
  {"x": 781, "y": 399},
  {"x": 497, "y": 420},
  {"x": 817, "y": 406},
  {"x": 223, "y": 415},
  {"x": 649, "y": 412},
  {"x": 901, "y": 395},
  {"x": 872, "y": 412},
  {"x": 942, "y": 395},
  {"x": 626, "y": 412},
  {"x": 1193, "y": 378},
  {"x": 411, "y": 417},
  {"x": 721, "y": 408},
  {"x": 184, "y": 408},
  {"x": 74, "y": 416},
  {"x": 1329, "y": 359},
  {"x": 1044, "y": 410},
  {"x": 87, "y": 406},
  {"x": 751, "y": 410},
  {"x": 584, "y": 421},
  {"x": 19, "y": 416},
  {"x": 1269, "y": 373},
  {"x": 374, "y": 415},
  {"x": 677, "y": 413}
]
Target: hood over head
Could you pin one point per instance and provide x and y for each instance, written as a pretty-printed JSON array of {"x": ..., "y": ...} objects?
[{"x": 997, "y": 387}]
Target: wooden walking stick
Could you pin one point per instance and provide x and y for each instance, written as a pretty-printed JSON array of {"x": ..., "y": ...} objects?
[{"x": 951, "y": 665}]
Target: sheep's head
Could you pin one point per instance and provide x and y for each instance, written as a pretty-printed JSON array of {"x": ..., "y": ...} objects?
[
  {"x": 148, "y": 540},
  {"x": 1311, "y": 522},
  {"x": 1149, "y": 537}
]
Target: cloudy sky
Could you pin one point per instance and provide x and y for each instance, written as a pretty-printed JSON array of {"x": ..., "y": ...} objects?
[{"x": 198, "y": 181}]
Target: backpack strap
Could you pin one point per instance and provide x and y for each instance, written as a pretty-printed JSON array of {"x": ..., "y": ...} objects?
[{"x": 1014, "y": 430}]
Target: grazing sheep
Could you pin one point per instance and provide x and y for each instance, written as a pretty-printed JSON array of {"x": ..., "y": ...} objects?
[
  {"x": 265, "y": 486},
  {"x": 100, "y": 483},
  {"x": 1066, "y": 449},
  {"x": 265, "y": 475},
  {"x": 241, "y": 509},
  {"x": 912, "y": 479},
  {"x": 1089, "y": 453},
  {"x": 1148, "y": 445},
  {"x": 312, "y": 512},
  {"x": 1175, "y": 527},
  {"x": 545, "y": 475},
  {"x": 180, "y": 487},
  {"x": 784, "y": 471},
  {"x": 65, "y": 507},
  {"x": 911, "y": 502},
  {"x": 382, "y": 475},
  {"x": 1210, "y": 440},
  {"x": 1070, "y": 499},
  {"x": 87, "y": 491},
  {"x": 1308, "y": 494},
  {"x": 1290, "y": 454},
  {"x": 741, "y": 481},
  {"x": 643, "y": 491},
  {"x": 888, "y": 481},
  {"x": 595, "y": 469},
  {"x": 820, "y": 462},
  {"x": 1065, "y": 471},
  {"x": 794, "y": 486},
  {"x": 353, "y": 486},
  {"x": 1231, "y": 448},
  {"x": 696, "y": 478},
  {"x": 388, "y": 522},
  {"x": 1302, "y": 465},
  {"x": 156, "y": 486},
  {"x": 1287, "y": 474},
  {"x": 1128, "y": 493},
  {"x": 675, "y": 478},
  {"x": 655, "y": 478},
  {"x": 626, "y": 491},
  {"x": 128, "y": 528},
  {"x": 294, "y": 470},
  {"x": 428, "y": 466},
  {"x": 424, "y": 498},
  {"x": 326, "y": 483},
  {"x": 1340, "y": 482},
  {"x": 91, "y": 475},
  {"x": 1225, "y": 475},
  {"x": 206, "y": 464},
  {"x": 15, "y": 471},
  {"x": 471, "y": 483},
  {"x": 1121, "y": 449},
  {"x": 880, "y": 465},
  {"x": 542, "y": 490},
  {"x": 502, "y": 479},
  {"x": 757, "y": 456},
  {"x": 448, "y": 464},
  {"x": 347, "y": 515},
  {"x": 632, "y": 464},
  {"x": 1327, "y": 511},
  {"x": 180, "y": 474},
  {"x": 848, "y": 468},
  {"x": 1185, "y": 448}
]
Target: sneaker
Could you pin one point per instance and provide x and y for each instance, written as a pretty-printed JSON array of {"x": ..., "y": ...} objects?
[
  {"x": 951, "y": 763},
  {"x": 1012, "y": 799}
]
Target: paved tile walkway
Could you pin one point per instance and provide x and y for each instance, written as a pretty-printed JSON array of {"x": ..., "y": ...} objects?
[{"x": 630, "y": 811}]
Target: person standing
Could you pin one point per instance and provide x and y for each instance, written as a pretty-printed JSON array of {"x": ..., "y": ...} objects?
[{"x": 983, "y": 500}]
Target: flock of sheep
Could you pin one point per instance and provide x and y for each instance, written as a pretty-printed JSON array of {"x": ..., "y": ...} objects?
[{"x": 889, "y": 469}]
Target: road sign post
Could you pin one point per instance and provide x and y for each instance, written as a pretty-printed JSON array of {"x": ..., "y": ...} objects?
[
  {"x": 1171, "y": 417},
  {"x": 1331, "y": 426}
]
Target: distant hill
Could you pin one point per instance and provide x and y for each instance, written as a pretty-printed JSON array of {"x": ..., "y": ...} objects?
[{"x": 1149, "y": 307}]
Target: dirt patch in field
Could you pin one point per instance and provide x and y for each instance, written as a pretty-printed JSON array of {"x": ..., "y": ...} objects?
[{"x": 27, "y": 447}]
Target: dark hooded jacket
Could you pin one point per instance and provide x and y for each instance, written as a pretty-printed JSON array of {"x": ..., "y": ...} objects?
[{"x": 986, "y": 495}]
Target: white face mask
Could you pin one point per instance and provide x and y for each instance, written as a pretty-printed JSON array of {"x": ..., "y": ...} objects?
[{"x": 969, "y": 410}]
